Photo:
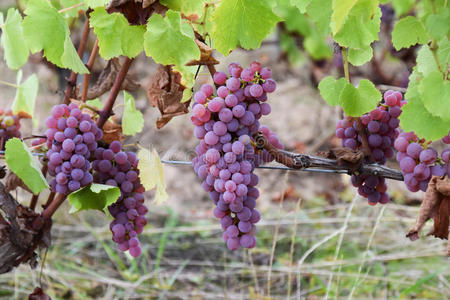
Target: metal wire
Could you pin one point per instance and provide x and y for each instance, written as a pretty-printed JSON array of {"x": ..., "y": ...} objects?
[
  {"x": 33, "y": 153},
  {"x": 270, "y": 167}
]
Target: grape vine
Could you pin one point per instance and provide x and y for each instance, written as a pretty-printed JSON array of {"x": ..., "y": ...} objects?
[{"x": 82, "y": 156}]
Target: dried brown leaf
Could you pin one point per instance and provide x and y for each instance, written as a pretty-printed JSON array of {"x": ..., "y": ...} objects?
[
  {"x": 165, "y": 92},
  {"x": 435, "y": 205},
  {"x": 106, "y": 80},
  {"x": 39, "y": 294},
  {"x": 13, "y": 182},
  {"x": 137, "y": 12},
  {"x": 112, "y": 131},
  {"x": 206, "y": 57}
]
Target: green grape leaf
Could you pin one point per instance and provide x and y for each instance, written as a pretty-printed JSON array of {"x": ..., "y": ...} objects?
[
  {"x": 97, "y": 3},
  {"x": 365, "y": 16},
  {"x": 151, "y": 173},
  {"x": 330, "y": 89},
  {"x": 358, "y": 57},
  {"x": 22, "y": 163},
  {"x": 289, "y": 46},
  {"x": 438, "y": 25},
  {"x": 415, "y": 117},
  {"x": 443, "y": 53},
  {"x": 358, "y": 101},
  {"x": 317, "y": 46},
  {"x": 26, "y": 93},
  {"x": 401, "y": 7},
  {"x": 319, "y": 11},
  {"x": 241, "y": 22},
  {"x": 301, "y": 4},
  {"x": 45, "y": 29},
  {"x": 115, "y": 35},
  {"x": 187, "y": 8},
  {"x": 293, "y": 19},
  {"x": 341, "y": 10},
  {"x": 132, "y": 120},
  {"x": 435, "y": 95},
  {"x": 407, "y": 32},
  {"x": 12, "y": 40},
  {"x": 94, "y": 196},
  {"x": 170, "y": 40},
  {"x": 425, "y": 61}
]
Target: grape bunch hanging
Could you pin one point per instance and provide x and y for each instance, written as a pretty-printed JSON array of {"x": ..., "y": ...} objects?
[
  {"x": 380, "y": 126},
  {"x": 75, "y": 161},
  {"x": 115, "y": 167},
  {"x": 226, "y": 123},
  {"x": 9, "y": 127}
]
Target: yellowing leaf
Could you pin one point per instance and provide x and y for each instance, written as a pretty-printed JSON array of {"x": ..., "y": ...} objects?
[{"x": 151, "y": 173}]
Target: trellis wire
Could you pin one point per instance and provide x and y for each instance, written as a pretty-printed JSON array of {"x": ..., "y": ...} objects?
[{"x": 272, "y": 167}]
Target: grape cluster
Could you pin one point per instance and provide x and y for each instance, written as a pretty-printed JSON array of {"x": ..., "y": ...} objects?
[
  {"x": 71, "y": 138},
  {"x": 419, "y": 161},
  {"x": 381, "y": 128},
  {"x": 9, "y": 126},
  {"x": 225, "y": 124},
  {"x": 118, "y": 168}
]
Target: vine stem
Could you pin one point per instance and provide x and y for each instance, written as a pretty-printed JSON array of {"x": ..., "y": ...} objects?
[
  {"x": 73, "y": 76},
  {"x": 54, "y": 205},
  {"x": 363, "y": 135},
  {"x": 106, "y": 112},
  {"x": 35, "y": 198},
  {"x": 212, "y": 70},
  {"x": 50, "y": 198},
  {"x": 89, "y": 66}
]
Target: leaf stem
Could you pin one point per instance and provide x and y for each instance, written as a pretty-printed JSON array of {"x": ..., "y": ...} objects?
[
  {"x": 344, "y": 52},
  {"x": 433, "y": 48},
  {"x": 73, "y": 76},
  {"x": 89, "y": 66},
  {"x": 9, "y": 84},
  {"x": 107, "y": 109},
  {"x": 71, "y": 7}
]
